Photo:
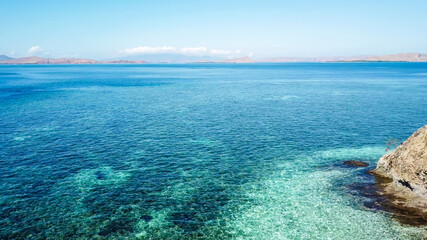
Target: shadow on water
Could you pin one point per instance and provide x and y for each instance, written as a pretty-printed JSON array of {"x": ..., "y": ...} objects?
[{"x": 374, "y": 196}]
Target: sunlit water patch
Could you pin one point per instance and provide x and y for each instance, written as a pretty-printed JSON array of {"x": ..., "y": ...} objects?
[{"x": 301, "y": 202}]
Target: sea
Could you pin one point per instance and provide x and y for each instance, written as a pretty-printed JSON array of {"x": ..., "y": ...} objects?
[{"x": 201, "y": 151}]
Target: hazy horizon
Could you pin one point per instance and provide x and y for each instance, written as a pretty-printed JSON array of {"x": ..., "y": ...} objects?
[
  {"x": 182, "y": 58},
  {"x": 111, "y": 30}
]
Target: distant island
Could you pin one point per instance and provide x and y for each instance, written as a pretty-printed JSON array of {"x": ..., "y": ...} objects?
[
  {"x": 403, "y": 57},
  {"x": 39, "y": 60},
  {"x": 4, "y": 57}
]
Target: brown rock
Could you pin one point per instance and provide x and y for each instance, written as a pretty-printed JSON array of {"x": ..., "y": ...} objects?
[
  {"x": 354, "y": 163},
  {"x": 407, "y": 164},
  {"x": 405, "y": 191}
]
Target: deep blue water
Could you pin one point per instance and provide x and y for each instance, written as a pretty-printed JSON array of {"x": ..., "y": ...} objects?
[{"x": 212, "y": 151}]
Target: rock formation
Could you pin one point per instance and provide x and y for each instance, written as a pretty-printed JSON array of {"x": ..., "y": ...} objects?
[
  {"x": 407, "y": 164},
  {"x": 401, "y": 181}
]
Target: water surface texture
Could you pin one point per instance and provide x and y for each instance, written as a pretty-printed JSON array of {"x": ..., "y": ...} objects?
[{"x": 209, "y": 151}]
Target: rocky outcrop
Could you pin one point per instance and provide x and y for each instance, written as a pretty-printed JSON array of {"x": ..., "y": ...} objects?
[
  {"x": 400, "y": 186},
  {"x": 407, "y": 164}
]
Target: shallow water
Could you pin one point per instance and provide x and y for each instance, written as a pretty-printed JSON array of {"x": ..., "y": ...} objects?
[{"x": 213, "y": 151}]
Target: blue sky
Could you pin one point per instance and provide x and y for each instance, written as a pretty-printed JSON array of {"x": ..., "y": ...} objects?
[{"x": 269, "y": 28}]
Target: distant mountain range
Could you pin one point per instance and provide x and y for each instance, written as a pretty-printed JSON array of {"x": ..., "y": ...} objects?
[
  {"x": 403, "y": 57},
  {"x": 172, "y": 58},
  {"x": 39, "y": 60},
  {"x": 4, "y": 57},
  {"x": 238, "y": 60}
]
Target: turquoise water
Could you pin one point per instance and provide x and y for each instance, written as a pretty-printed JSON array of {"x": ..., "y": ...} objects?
[{"x": 209, "y": 151}]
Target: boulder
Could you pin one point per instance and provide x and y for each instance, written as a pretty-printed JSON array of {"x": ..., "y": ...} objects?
[{"x": 407, "y": 164}]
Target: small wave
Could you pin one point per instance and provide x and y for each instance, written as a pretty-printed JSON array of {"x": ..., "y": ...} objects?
[
  {"x": 282, "y": 98},
  {"x": 21, "y": 138}
]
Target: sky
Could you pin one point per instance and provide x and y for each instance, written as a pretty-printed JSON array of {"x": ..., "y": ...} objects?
[{"x": 107, "y": 29}]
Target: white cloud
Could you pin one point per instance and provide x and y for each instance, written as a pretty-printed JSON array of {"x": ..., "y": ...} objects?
[
  {"x": 34, "y": 49},
  {"x": 191, "y": 51}
]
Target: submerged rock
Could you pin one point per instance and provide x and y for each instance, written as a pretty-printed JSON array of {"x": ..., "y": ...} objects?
[
  {"x": 146, "y": 218},
  {"x": 407, "y": 164},
  {"x": 354, "y": 163}
]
